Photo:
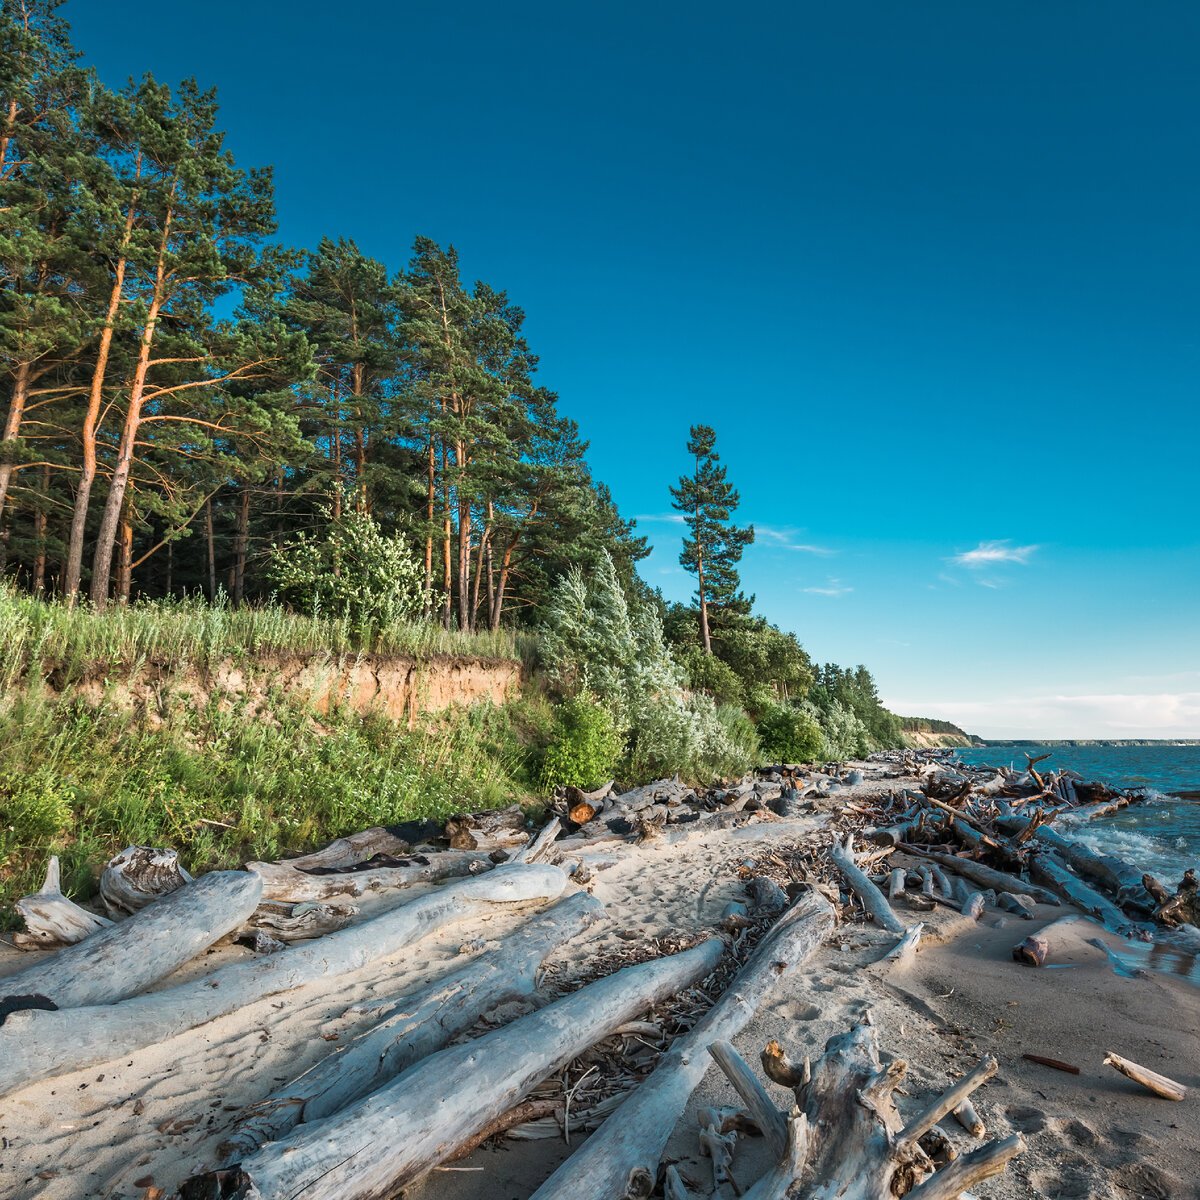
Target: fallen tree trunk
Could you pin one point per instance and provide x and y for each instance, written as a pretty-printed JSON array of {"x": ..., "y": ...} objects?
[
  {"x": 51, "y": 919},
  {"x": 621, "y": 1158},
  {"x": 1049, "y": 868},
  {"x": 138, "y": 876},
  {"x": 296, "y": 922},
  {"x": 283, "y": 881},
  {"x": 985, "y": 876},
  {"x": 413, "y": 1027},
  {"x": 353, "y": 849},
  {"x": 39, "y": 1044},
  {"x": 377, "y": 1146},
  {"x": 846, "y": 1130},
  {"x": 124, "y": 959},
  {"x": 873, "y": 900},
  {"x": 1152, "y": 1081},
  {"x": 495, "y": 829}
]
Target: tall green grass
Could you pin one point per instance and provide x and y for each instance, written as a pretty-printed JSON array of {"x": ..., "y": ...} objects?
[
  {"x": 39, "y": 637},
  {"x": 82, "y": 781}
]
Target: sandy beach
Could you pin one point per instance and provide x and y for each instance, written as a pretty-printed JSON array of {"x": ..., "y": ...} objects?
[{"x": 138, "y": 1126}]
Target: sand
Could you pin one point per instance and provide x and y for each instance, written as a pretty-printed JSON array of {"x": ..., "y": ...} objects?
[{"x": 148, "y": 1120}]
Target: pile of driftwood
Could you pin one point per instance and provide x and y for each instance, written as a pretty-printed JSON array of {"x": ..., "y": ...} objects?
[
  {"x": 357, "y": 1125},
  {"x": 976, "y": 836}
]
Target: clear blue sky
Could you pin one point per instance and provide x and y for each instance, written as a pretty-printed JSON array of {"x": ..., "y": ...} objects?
[{"x": 932, "y": 271}]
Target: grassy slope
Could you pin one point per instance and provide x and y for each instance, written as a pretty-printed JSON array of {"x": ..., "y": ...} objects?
[{"x": 82, "y": 780}]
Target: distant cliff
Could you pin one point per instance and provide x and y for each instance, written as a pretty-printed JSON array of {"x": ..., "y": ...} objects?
[{"x": 928, "y": 733}]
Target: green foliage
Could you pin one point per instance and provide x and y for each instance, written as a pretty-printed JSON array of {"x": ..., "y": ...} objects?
[
  {"x": 791, "y": 733},
  {"x": 713, "y": 546},
  {"x": 854, "y": 690},
  {"x": 709, "y": 674},
  {"x": 845, "y": 734},
  {"x": 40, "y": 638},
  {"x": 354, "y": 572},
  {"x": 82, "y": 781},
  {"x": 584, "y": 745}
]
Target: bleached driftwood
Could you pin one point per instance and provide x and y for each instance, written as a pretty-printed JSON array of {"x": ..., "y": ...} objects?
[
  {"x": 283, "y": 881},
  {"x": 845, "y": 1128},
  {"x": 39, "y": 1044},
  {"x": 770, "y": 1121},
  {"x": 621, "y": 1158},
  {"x": 122, "y": 960},
  {"x": 541, "y": 848},
  {"x": 295, "y": 922},
  {"x": 353, "y": 849},
  {"x": 873, "y": 900},
  {"x": 51, "y": 919},
  {"x": 496, "y": 829},
  {"x": 413, "y": 1026},
  {"x": 397, "y": 1134},
  {"x": 901, "y": 955},
  {"x": 1050, "y": 869},
  {"x": 985, "y": 876},
  {"x": 138, "y": 876},
  {"x": 1160, "y": 1085}
]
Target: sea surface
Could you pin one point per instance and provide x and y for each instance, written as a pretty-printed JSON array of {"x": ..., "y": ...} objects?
[{"x": 1161, "y": 836}]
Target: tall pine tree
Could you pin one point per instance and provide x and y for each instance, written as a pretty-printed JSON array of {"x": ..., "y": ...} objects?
[{"x": 714, "y": 545}]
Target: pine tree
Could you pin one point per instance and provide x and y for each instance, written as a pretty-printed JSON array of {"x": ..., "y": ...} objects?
[{"x": 714, "y": 545}]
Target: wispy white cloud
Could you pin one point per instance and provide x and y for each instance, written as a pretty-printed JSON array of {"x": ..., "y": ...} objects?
[
  {"x": 661, "y": 518},
  {"x": 834, "y": 587},
  {"x": 788, "y": 539},
  {"x": 991, "y": 554}
]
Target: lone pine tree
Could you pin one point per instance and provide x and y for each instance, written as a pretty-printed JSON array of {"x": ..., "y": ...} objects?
[{"x": 714, "y": 545}]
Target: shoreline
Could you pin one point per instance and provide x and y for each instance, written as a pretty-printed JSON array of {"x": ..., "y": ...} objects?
[{"x": 136, "y": 1127}]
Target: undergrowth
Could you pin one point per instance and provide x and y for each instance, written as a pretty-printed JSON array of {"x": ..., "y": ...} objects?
[
  {"x": 83, "y": 781},
  {"x": 39, "y": 637}
]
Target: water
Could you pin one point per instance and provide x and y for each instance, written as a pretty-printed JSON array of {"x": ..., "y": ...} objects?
[{"x": 1161, "y": 836}]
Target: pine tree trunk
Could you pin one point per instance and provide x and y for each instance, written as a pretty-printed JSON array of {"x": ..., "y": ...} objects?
[
  {"x": 483, "y": 541},
  {"x": 83, "y": 490},
  {"x": 241, "y": 546},
  {"x": 12, "y": 426},
  {"x": 125, "y": 555},
  {"x": 170, "y": 568},
  {"x": 210, "y": 541},
  {"x": 105, "y": 539},
  {"x": 430, "y": 497},
  {"x": 39, "y": 535},
  {"x": 447, "y": 576}
]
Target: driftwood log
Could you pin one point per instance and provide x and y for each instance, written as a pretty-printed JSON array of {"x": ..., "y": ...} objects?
[
  {"x": 412, "y": 1027},
  {"x": 496, "y": 829},
  {"x": 1152, "y": 1081},
  {"x": 397, "y": 1134},
  {"x": 138, "y": 876},
  {"x": 356, "y": 848},
  {"x": 124, "y": 959},
  {"x": 873, "y": 900},
  {"x": 37, "y": 1044},
  {"x": 285, "y": 882},
  {"x": 621, "y": 1158},
  {"x": 51, "y": 919},
  {"x": 847, "y": 1138},
  {"x": 985, "y": 876}
]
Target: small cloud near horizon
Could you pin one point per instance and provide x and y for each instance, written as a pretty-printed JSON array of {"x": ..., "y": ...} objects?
[
  {"x": 991, "y": 554},
  {"x": 661, "y": 518},
  {"x": 834, "y": 587}
]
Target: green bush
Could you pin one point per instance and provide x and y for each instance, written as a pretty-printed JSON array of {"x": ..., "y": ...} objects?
[
  {"x": 789, "y": 733},
  {"x": 707, "y": 673},
  {"x": 356, "y": 571},
  {"x": 585, "y": 745}
]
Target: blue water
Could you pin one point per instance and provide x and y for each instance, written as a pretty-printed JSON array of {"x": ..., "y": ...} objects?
[{"x": 1161, "y": 836}]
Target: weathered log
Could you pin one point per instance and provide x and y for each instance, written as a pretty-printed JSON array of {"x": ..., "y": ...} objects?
[
  {"x": 1121, "y": 878},
  {"x": 412, "y": 1027},
  {"x": 767, "y": 895},
  {"x": 896, "y": 881},
  {"x": 495, "y": 829},
  {"x": 904, "y": 951},
  {"x": 541, "y": 847},
  {"x": 40, "y": 1044},
  {"x": 52, "y": 920},
  {"x": 770, "y": 1121},
  {"x": 1049, "y": 868},
  {"x": 124, "y": 959},
  {"x": 621, "y": 1158},
  {"x": 943, "y": 884},
  {"x": 1181, "y": 908},
  {"x": 282, "y": 881},
  {"x": 384, "y": 1142},
  {"x": 138, "y": 876},
  {"x": 846, "y": 1131},
  {"x": 1160, "y": 1085},
  {"x": 986, "y": 876},
  {"x": 873, "y": 900},
  {"x": 1033, "y": 951},
  {"x": 295, "y": 922},
  {"x": 355, "y": 848},
  {"x": 969, "y": 1119},
  {"x": 1017, "y": 902}
]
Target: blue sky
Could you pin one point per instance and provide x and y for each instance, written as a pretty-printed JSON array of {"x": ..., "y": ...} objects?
[{"x": 932, "y": 271}]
